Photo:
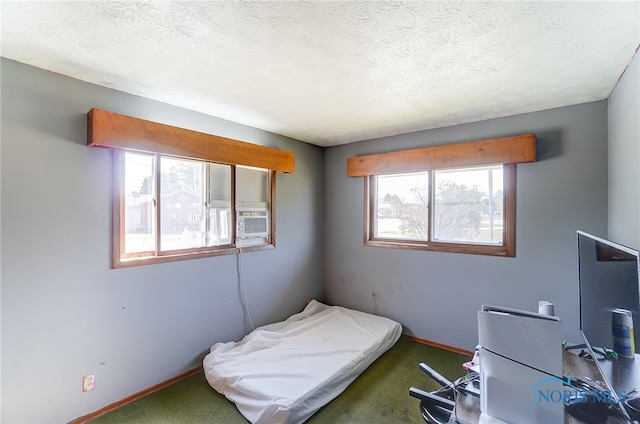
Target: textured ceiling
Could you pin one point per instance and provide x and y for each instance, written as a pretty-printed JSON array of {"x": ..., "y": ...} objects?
[{"x": 331, "y": 72}]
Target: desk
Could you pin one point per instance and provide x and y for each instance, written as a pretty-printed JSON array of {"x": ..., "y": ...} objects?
[{"x": 467, "y": 408}]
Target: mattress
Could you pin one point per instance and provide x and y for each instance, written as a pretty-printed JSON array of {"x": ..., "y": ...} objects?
[{"x": 284, "y": 372}]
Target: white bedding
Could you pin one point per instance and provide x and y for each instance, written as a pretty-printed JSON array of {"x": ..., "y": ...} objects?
[{"x": 284, "y": 372}]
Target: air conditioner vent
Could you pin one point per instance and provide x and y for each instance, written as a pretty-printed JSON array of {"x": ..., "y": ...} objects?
[{"x": 253, "y": 222}]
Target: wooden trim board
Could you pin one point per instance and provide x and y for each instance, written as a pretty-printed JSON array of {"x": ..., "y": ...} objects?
[
  {"x": 112, "y": 130},
  {"x": 136, "y": 396},
  {"x": 439, "y": 345},
  {"x": 514, "y": 149}
]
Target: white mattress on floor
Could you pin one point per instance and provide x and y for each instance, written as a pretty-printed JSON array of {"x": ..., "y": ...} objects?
[{"x": 284, "y": 372}]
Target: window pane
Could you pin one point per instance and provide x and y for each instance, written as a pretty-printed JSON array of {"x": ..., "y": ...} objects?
[
  {"x": 252, "y": 187},
  {"x": 252, "y": 201},
  {"x": 469, "y": 205},
  {"x": 138, "y": 203},
  {"x": 219, "y": 206},
  {"x": 182, "y": 204},
  {"x": 401, "y": 206}
]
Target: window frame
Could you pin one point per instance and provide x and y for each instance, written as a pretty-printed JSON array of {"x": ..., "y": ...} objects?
[
  {"x": 109, "y": 130},
  {"x": 506, "y": 249},
  {"x": 121, "y": 259}
]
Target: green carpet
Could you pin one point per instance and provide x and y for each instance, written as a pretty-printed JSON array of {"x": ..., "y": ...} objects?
[{"x": 379, "y": 395}]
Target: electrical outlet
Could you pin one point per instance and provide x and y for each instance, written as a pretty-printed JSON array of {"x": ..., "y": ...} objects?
[{"x": 88, "y": 382}]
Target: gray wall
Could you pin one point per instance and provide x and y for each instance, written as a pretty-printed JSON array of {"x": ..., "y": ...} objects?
[
  {"x": 624, "y": 157},
  {"x": 65, "y": 312},
  {"x": 436, "y": 295}
]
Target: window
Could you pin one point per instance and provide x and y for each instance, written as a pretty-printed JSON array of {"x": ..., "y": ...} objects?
[
  {"x": 182, "y": 194},
  {"x": 174, "y": 207},
  {"x": 400, "y": 206},
  {"x": 460, "y": 209},
  {"x": 454, "y": 198},
  {"x": 468, "y": 205}
]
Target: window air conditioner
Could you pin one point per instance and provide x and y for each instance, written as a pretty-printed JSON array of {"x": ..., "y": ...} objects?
[{"x": 252, "y": 222}]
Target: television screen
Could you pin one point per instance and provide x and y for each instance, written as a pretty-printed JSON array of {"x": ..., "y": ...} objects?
[
  {"x": 609, "y": 291},
  {"x": 610, "y": 307}
]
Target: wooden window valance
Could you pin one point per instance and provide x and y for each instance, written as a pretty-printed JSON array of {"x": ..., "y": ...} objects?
[
  {"x": 108, "y": 129},
  {"x": 514, "y": 149}
]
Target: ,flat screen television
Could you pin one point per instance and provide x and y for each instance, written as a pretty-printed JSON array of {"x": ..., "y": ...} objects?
[{"x": 609, "y": 282}]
